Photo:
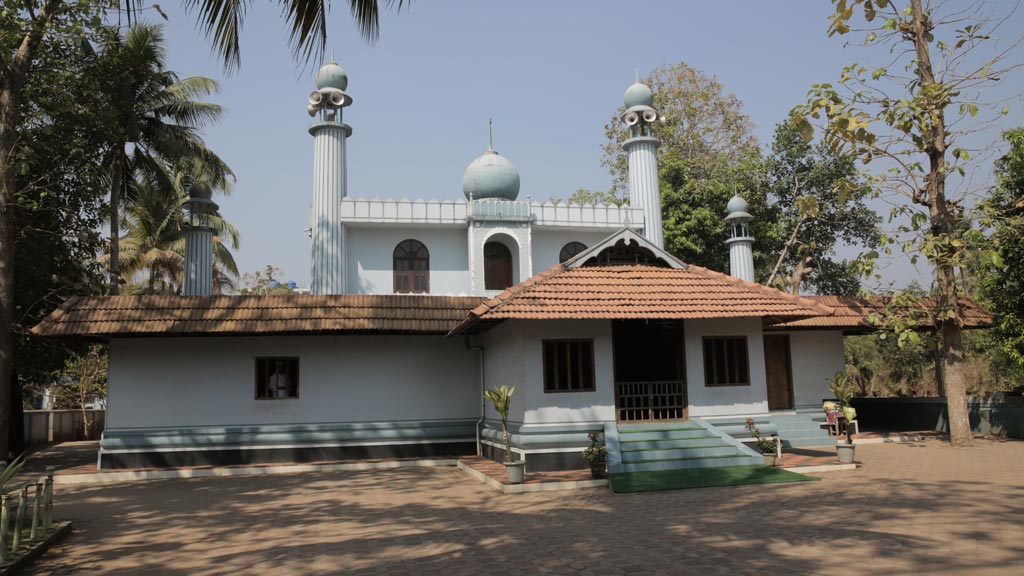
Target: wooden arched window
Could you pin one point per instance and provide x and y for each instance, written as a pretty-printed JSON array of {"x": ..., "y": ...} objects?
[
  {"x": 497, "y": 266},
  {"x": 570, "y": 250},
  {"x": 412, "y": 267}
]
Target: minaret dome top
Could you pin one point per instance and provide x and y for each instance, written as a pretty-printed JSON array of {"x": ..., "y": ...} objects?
[
  {"x": 638, "y": 95},
  {"x": 331, "y": 76}
]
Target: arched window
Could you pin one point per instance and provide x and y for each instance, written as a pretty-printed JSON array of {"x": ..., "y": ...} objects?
[
  {"x": 412, "y": 267},
  {"x": 497, "y": 266},
  {"x": 570, "y": 250}
]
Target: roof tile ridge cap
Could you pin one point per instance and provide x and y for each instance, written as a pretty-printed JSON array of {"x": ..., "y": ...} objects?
[
  {"x": 820, "y": 309},
  {"x": 55, "y": 316}
]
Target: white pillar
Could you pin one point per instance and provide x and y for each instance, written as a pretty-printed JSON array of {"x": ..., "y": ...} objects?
[
  {"x": 644, "y": 192},
  {"x": 198, "y": 261},
  {"x": 329, "y": 187},
  {"x": 741, "y": 258}
]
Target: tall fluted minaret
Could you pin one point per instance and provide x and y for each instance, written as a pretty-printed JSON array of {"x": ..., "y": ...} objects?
[
  {"x": 329, "y": 179},
  {"x": 199, "y": 234},
  {"x": 741, "y": 243},
  {"x": 642, "y": 151}
]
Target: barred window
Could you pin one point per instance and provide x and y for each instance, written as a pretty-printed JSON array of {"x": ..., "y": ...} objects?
[
  {"x": 568, "y": 365},
  {"x": 277, "y": 378},
  {"x": 726, "y": 362},
  {"x": 412, "y": 268}
]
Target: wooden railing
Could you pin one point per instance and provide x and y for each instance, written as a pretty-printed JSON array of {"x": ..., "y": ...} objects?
[
  {"x": 26, "y": 505},
  {"x": 650, "y": 401}
]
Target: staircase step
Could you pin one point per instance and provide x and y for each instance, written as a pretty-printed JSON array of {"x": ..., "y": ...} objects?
[
  {"x": 633, "y": 445},
  {"x": 656, "y": 427},
  {"x": 742, "y": 432},
  {"x": 679, "y": 453},
  {"x": 664, "y": 434},
  {"x": 677, "y": 464}
]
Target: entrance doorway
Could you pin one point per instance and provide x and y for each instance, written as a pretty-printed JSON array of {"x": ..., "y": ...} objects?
[
  {"x": 650, "y": 370},
  {"x": 778, "y": 373}
]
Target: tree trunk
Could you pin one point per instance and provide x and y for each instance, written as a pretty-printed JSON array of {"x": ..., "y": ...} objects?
[
  {"x": 942, "y": 226},
  {"x": 116, "y": 182}
]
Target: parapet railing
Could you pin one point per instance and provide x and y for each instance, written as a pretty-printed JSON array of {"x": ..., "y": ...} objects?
[{"x": 15, "y": 508}]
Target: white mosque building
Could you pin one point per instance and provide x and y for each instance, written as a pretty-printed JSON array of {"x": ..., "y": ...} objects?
[{"x": 416, "y": 307}]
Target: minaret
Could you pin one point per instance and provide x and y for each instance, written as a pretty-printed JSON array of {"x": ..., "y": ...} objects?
[
  {"x": 199, "y": 233},
  {"x": 642, "y": 150},
  {"x": 329, "y": 179},
  {"x": 741, "y": 243}
]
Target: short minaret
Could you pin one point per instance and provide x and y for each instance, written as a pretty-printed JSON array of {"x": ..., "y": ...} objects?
[
  {"x": 329, "y": 179},
  {"x": 741, "y": 243},
  {"x": 199, "y": 233},
  {"x": 642, "y": 150}
]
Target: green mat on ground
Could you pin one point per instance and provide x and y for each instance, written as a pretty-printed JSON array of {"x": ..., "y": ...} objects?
[{"x": 702, "y": 478}]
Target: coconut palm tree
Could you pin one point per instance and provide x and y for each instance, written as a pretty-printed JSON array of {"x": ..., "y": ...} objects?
[{"x": 156, "y": 119}]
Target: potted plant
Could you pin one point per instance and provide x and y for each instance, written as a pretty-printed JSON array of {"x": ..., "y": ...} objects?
[
  {"x": 842, "y": 388},
  {"x": 501, "y": 398},
  {"x": 597, "y": 455},
  {"x": 768, "y": 446}
]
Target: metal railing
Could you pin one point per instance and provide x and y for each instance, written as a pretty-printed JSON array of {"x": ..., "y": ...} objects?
[
  {"x": 650, "y": 401},
  {"x": 15, "y": 508}
]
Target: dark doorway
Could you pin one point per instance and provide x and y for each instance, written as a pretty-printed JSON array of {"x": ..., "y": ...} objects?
[
  {"x": 497, "y": 266},
  {"x": 650, "y": 370},
  {"x": 777, "y": 371}
]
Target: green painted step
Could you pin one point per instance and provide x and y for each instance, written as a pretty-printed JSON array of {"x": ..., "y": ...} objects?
[
  {"x": 679, "y": 453},
  {"x": 633, "y": 445}
]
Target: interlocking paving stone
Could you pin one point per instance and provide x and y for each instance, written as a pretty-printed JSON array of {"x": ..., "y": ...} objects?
[{"x": 915, "y": 508}]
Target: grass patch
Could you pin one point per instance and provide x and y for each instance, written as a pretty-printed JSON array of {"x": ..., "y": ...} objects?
[{"x": 655, "y": 480}]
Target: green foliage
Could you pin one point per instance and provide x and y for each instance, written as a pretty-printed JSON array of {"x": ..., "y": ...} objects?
[
  {"x": 1002, "y": 275},
  {"x": 820, "y": 193},
  {"x": 765, "y": 444},
  {"x": 841, "y": 388},
  {"x": 10, "y": 470},
  {"x": 597, "y": 452},
  {"x": 82, "y": 381},
  {"x": 586, "y": 197},
  {"x": 501, "y": 399},
  {"x": 265, "y": 282}
]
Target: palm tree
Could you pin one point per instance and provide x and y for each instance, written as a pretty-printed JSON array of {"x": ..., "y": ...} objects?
[
  {"x": 306, "y": 19},
  {"x": 156, "y": 120},
  {"x": 153, "y": 249}
]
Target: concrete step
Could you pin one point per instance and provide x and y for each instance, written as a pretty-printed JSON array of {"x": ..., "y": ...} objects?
[
  {"x": 656, "y": 426},
  {"x": 678, "y": 464},
  {"x": 662, "y": 434},
  {"x": 742, "y": 432},
  {"x": 697, "y": 442},
  {"x": 679, "y": 453}
]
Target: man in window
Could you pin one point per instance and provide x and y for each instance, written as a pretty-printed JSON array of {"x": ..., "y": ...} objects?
[{"x": 278, "y": 384}]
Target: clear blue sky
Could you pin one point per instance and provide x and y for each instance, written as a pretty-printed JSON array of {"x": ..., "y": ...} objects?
[{"x": 550, "y": 73}]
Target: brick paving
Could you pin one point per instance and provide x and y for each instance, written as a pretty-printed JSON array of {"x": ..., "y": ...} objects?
[
  {"x": 496, "y": 470},
  {"x": 804, "y": 457},
  {"x": 916, "y": 508}
]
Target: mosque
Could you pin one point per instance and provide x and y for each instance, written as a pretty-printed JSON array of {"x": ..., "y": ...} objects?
[{"x": 416, "y": 307}]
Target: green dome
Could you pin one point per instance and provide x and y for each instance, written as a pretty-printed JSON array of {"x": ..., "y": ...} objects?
[
  {"x": 331, "y": 76},
  {"x": 639, "y": 95},
  {"x": 736, "y": 204},
  {"x": 491, "y": 176}
]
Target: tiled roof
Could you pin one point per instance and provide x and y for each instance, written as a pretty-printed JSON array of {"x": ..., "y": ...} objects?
[
  {"x": 106, "y": 316},
  {"x": 639, "y": 291},
  {"x": 854, "y": 312}
]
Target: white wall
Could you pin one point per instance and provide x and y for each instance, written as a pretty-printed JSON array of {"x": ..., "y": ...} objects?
[
  {"x": 515, "y": 355},
  {"x": 548, "y": 243},
  {"x": 370, "y": 256},
  {"x": 172, "y": 382},
  {"x": 725, "y": 400},
  {"x": 816, "y": 357}
]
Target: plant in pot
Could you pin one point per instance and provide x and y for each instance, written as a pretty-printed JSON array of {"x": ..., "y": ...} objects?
[
  {"x": 501, "y": 398},
  {"x": 597, "y": 455},
  {"x": 843, "y": 390},
  {"x": 767, "y": 445}
]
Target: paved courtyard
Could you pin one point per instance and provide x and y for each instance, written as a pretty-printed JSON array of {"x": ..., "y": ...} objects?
[{"x": 921, "y": 508}]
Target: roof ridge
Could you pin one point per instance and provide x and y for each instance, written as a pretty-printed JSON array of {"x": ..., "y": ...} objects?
[{"x": 768, "y": 290}]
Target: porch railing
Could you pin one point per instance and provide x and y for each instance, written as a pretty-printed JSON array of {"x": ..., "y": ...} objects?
[
  {"x": 650, "y": 401},
  {"x": 26, "y": 515}
]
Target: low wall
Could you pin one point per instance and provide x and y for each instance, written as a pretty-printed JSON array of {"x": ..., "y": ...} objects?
[
  {"x": 996, "y": 414},
  {"x": 44, "y": 426}
]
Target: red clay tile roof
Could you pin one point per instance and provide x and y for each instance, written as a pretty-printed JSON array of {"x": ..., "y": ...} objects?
[
  {"x": 639, "y": 291},
  {"x": 107, "y": 316},
  {"x": 853, "y": 313}
]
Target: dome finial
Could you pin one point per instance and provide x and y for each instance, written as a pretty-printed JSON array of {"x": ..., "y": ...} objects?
[
  {"x": 637, "y": 70},
  {"x": 490, "y": 133}
]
